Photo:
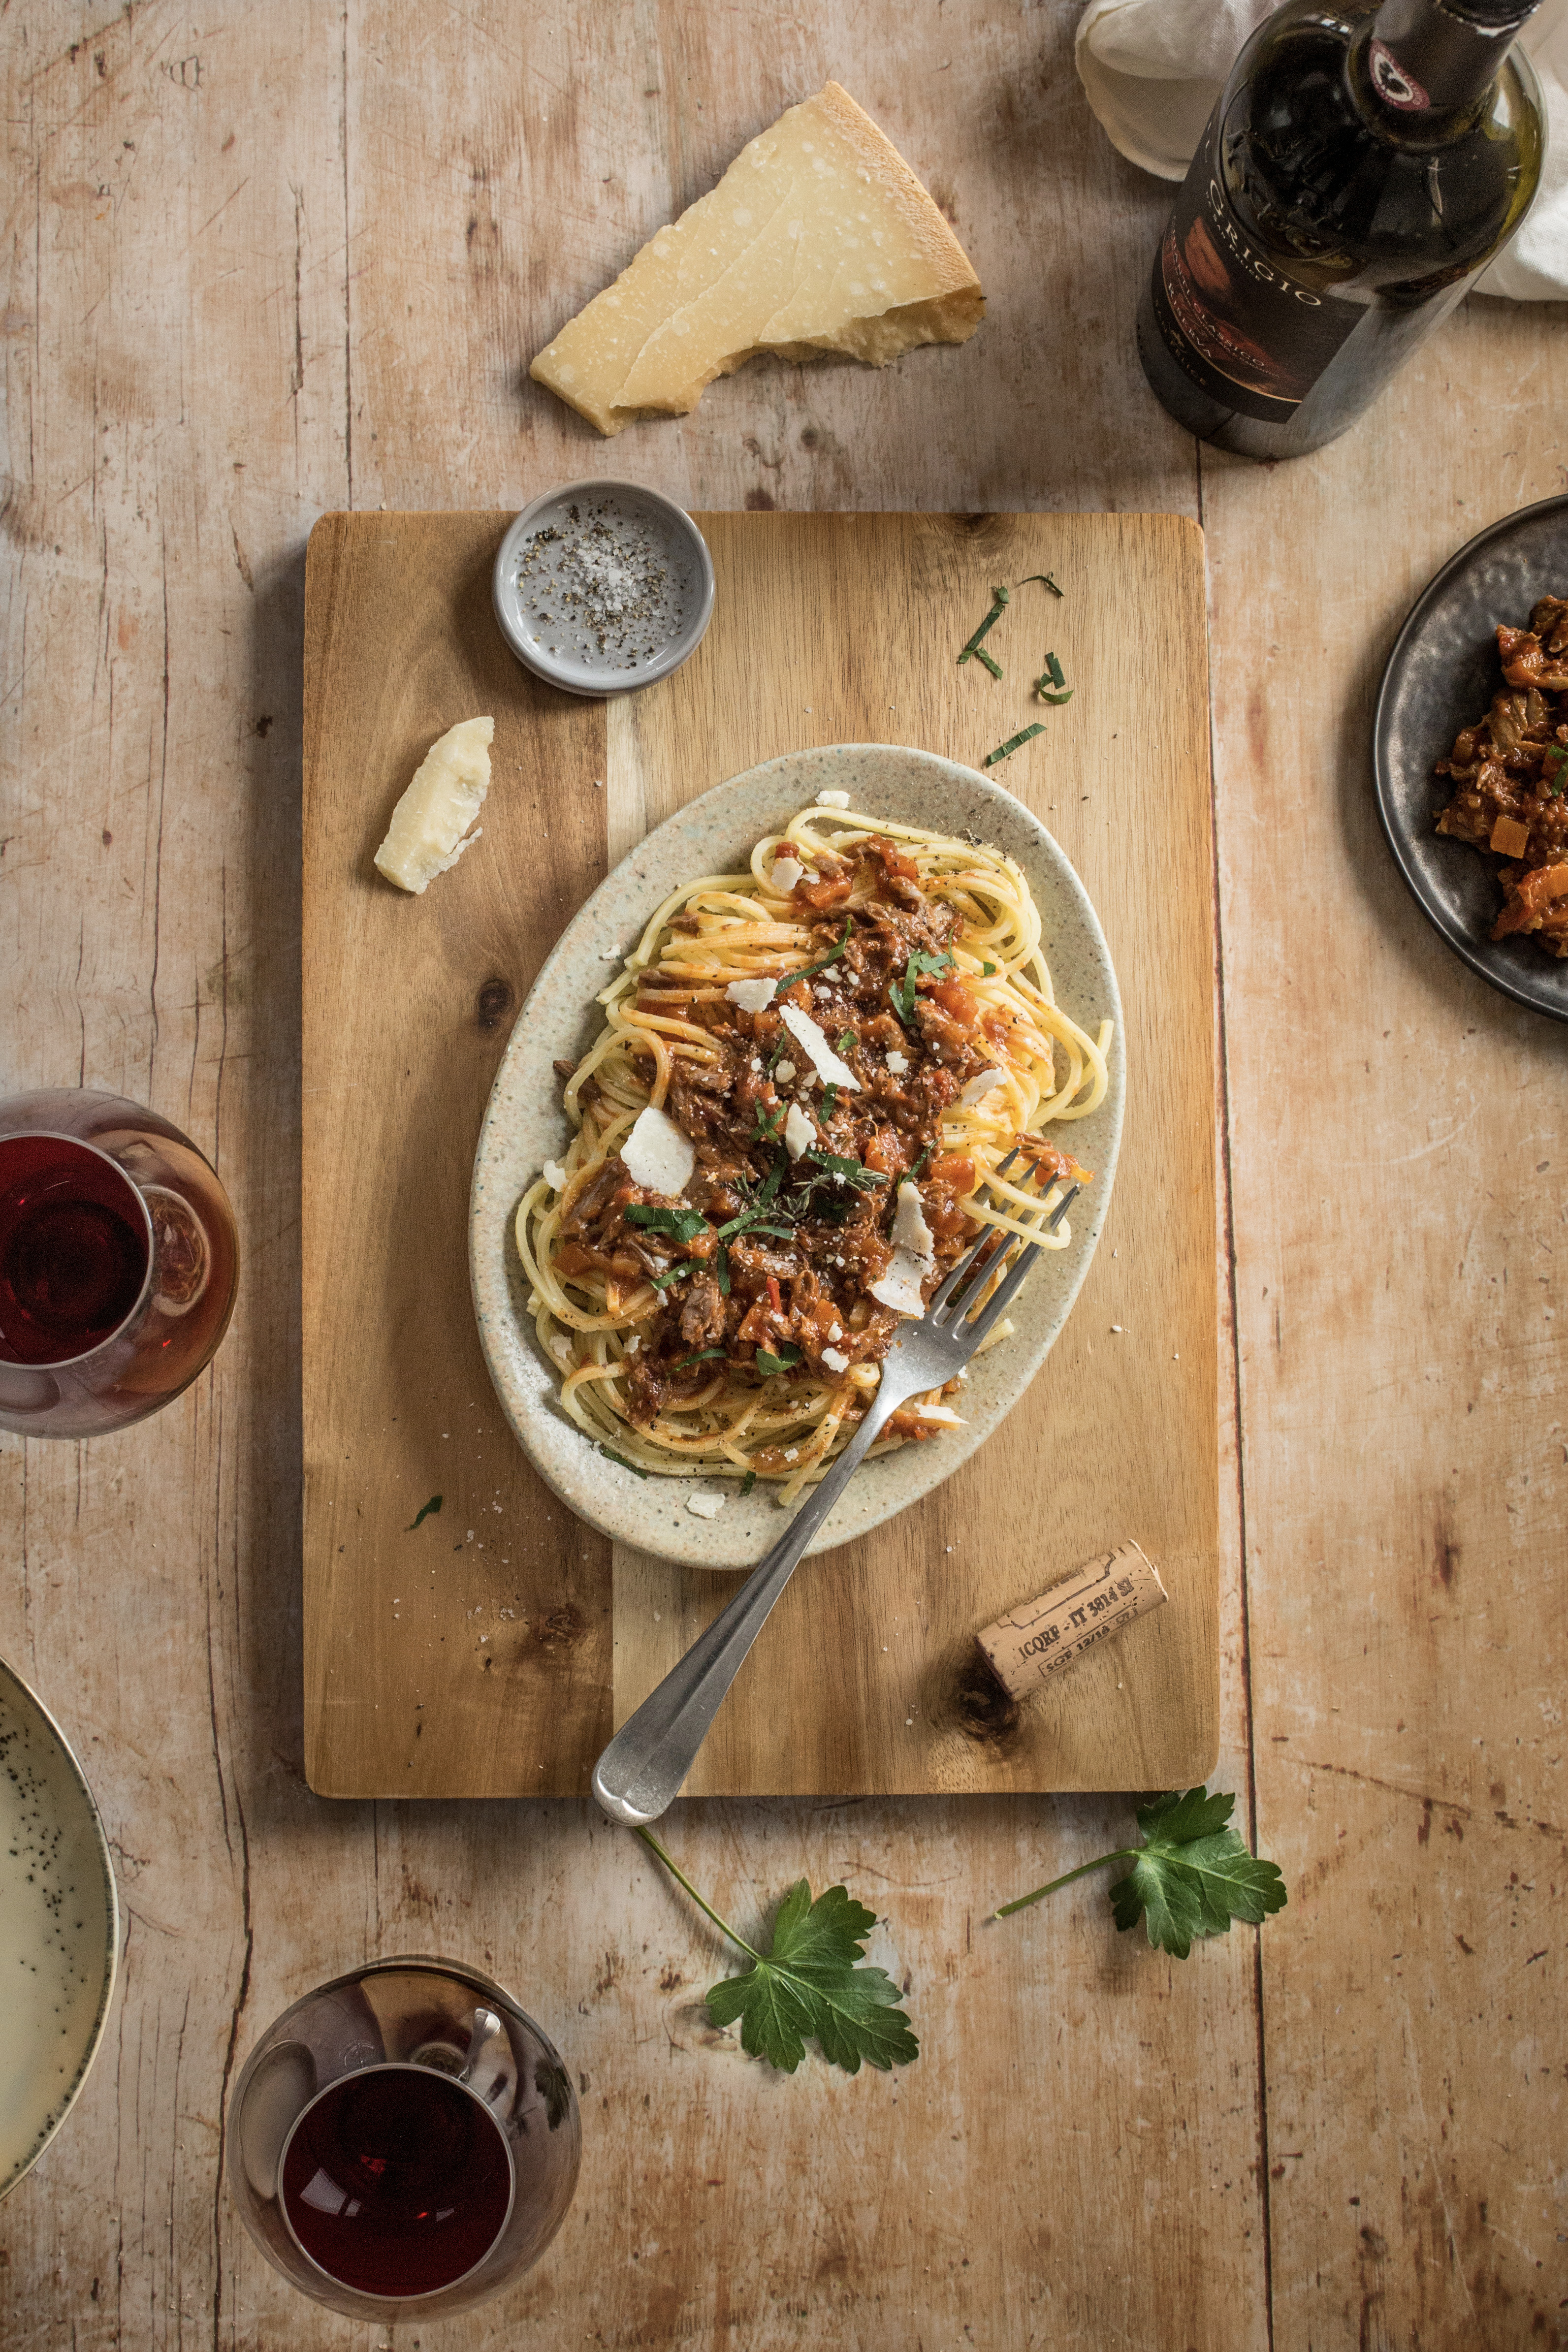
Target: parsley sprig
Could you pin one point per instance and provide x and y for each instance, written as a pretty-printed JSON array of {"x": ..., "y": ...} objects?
[
  {"x": 1191, "y": 1877},
  {"x": 812, "y": 1983}
]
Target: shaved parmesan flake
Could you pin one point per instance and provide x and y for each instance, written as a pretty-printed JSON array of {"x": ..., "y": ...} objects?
[
  {"x": 787, "y": 873},
  {"x": 835, "y": 1360},
  {"x": 981, "y": 1084},
  {"x": 799, "y": 1132},
  {"x": 656, "y": 1155},
  {"x": 832, "y": 800},
  {"x": 911, "y": 1230},
  {"x": 425, "y": 837},
  {"x": 705, "y": 1503},
  {"x": 556, "y": 1175},
  {"x": 939, "y": 1413},
  {"x": 900, "y": 1287},
  {"x": 897, "y": 1064},
  {"x": 750, "y": 995},
  {"x": 804, "y": 1030}
]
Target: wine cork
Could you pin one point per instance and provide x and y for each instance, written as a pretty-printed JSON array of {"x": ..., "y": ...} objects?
[{"x": 1040, "y": 1639}]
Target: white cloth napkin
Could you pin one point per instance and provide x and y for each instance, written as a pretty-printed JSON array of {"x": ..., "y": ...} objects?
[{"x": 1154, "y": 69}]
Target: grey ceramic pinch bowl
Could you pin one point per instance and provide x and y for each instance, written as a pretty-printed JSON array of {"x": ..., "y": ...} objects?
[
  {"x": 525, "y": 1125},
  {"x": 560, "y": 594}
]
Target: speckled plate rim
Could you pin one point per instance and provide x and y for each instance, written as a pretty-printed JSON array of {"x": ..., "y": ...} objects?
[
  {"x": 524, "y": 1124},
  {"x": 11, "y": 1681},
  {"x": 1501, "y": 964}
]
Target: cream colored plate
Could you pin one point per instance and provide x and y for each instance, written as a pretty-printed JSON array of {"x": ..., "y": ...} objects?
[
  {"x": 59, "y": 1928},
  {"x": 525, "y": 1125}
]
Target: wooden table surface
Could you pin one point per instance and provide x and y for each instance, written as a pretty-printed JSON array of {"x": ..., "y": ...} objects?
[{"x": 264, "y": 261}]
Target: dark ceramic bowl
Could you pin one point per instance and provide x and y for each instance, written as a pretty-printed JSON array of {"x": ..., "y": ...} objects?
[{"x": 1442, "y": 674}]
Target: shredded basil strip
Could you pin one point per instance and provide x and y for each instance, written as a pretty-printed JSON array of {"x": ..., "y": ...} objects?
[
  {"x": 1045, "y": 579},
  {"x": 1054, "y": 670},
  {"x": 663, "y": 1281},
  {"x": 702, "y": 1356},
  {"x": 807, "y": 969},
  {"x": 846, "y": 1040},
  {"x": 903, "y": 992},
  {"x": 748, "y": 1482},
  {"x": 829, "y": 1098},
  {"x": 621, "y": 1458},
  {"x": 1000, "y": 601},
  {"x": 723, "y": 1262},
  {"x": 1056, "y": 699},
  {"x": 684, "y": 1223},
  {"x": 993, "y": 666},
  {"x": 1011, "y": 744}
]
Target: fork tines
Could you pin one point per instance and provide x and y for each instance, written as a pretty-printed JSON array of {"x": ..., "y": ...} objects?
[{"x": 958, "y": 1291}]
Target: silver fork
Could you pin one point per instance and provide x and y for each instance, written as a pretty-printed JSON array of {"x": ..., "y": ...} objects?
[{"x": 640, "y": 1772}]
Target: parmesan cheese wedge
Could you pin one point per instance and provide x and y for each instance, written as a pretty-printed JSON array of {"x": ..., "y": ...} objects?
[
  {"x": 818, "y": 238},
  {"x": 426, "y": 835}
]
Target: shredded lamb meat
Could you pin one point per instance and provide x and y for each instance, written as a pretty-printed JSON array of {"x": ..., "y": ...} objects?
[{"x": 1511, "y": 774}]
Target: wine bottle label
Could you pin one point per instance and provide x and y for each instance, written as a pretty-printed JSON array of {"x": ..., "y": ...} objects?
[{"x": 1243, "y": 332}]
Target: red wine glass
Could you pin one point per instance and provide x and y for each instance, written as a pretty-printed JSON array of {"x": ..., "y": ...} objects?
[
  {"x": 405, "y": 2140},
  {"x": 118, "y": 1263}
]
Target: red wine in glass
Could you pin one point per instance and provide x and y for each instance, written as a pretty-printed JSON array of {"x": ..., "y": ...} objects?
[
  {"x": 118, "y": 1263},
  {"x": 397, "y": 2181},
  {"x": 404, "y": 2141}
]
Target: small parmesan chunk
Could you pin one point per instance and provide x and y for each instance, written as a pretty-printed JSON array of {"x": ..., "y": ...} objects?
[
  {"x": 656, "y": 1155},
  {"x": 911, "y": 1230},
  {"x": 554, "y": 1175},
  {"x": 705, "y": 1503},
  {"x": 804, "y": 1032},
  {"x": 787, "y": 873},
  {"x": 897, "y": 1063},
  {"x": 799, "y": 1132},
  {"x": 939, "y": 1413},
  {"x": 425, "y": 837},
  {"x": 981, "y": 1084},
  {"x": 835, "y": 1360},
  {"x": 900, "y": 1287},
  {"x": 750, "y": 995},
  {"x": 832, "y": 800},
  {"x": 785, "y": 1073}
]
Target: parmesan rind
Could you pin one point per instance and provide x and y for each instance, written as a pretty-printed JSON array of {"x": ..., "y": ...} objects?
[
  {"x": 806, "y": 1031},
  {"x": 818, "y": 238},
  {"x": 425, "y": 837},
  {"x": 656, "y": 1155}
]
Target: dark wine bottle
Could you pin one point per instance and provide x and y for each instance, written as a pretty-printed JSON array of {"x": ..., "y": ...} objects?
[{"x": 1364, "y": 165}]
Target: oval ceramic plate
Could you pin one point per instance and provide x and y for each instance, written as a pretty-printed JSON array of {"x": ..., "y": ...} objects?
[
  {"x": 525, "y": 1125},
  {"x": 59, "y": 1928},
  {"x": 1443, "y": 673}
]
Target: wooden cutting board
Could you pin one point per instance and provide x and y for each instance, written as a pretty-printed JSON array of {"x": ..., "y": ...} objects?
[{"x": 489, "y": 1647}]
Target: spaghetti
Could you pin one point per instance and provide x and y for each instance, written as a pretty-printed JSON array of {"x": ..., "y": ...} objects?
[{"x": 836, "y": 1051}]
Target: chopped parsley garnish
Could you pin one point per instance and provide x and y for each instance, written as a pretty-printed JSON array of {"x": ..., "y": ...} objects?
[
  {"x": 987, "y": 970},
  {"x": 1054, "y": 670},
  {"x": 684, "y": 1223},
  {"x": 902, "y": 991},
  {"x": 829, "y": 1099},
  {"x": 769, "y": 1363},
  {"x": 993, "y": 666},
  {"x": 1559, "y": 773},
  {"x": 1000, "y": 601},
  {"x": 807, "y": 969},
  {"x": 1004, "y": 751},
  {"x": 424, "y": 1512},
  {"x": 748, "y": 1482},
  {"x": 611, "y": 1456},
  {"x": 864, "y": 1180},
  {"x": 1045, "y": 579},
  {"x": 846, "y": 1040},
  {"x": 671, "y": 1274},
  {"x": 723, "y": 1260},
  {"x": 768, "y": 1124}
]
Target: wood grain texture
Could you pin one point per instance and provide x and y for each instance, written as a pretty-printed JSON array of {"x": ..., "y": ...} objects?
[
  {"x": 488, "y": 1678},
  {"x": 264, "y": 262}
]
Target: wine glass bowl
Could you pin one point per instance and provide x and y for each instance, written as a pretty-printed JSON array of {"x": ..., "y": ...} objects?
[
  {"x": 118, "y": 1263},
  {"x": 405, "y": 2141}
]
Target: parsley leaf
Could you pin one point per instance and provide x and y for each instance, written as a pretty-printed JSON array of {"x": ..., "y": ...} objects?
[
  {"x": 424, "y": 1512},
  {"x": 684, "y": 1223},
  {"x": 1190, "y": 1878},
  {"x": 846, "y": 1040},
  {"x": 811, "y": 1982},
  {"x": 988, "y": 969},
  {"x": 768, "y": 1364}
]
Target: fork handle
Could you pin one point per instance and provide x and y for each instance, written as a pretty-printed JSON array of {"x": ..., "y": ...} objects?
[{"x": 640, "y": 1772}]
